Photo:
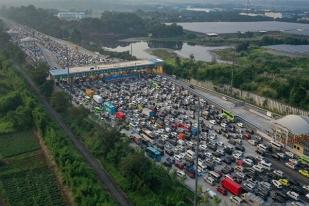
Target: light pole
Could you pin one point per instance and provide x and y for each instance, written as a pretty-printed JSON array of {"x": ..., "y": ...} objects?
[{"x": 197, "y": 150}]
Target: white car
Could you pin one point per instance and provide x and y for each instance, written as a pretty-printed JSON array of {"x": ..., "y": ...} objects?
[
  {"x": 248, "y": 162},
  {"x": 293, "y": 195},
  {"x": 212, "y": 137},
  {"x": 211, "y": 193},
  {"x": 178, "y": 158},
  {"x": 239, "y": 124},
  {"x": 278, "y": 173},
  {"x": 223, "y": 125},
  {"x": 220, "y": 144},
  {"x": 236, "y": 155},
  {"x": 180, "y": 173},
  {"x": 277, "y": 184},
  {"x": 306, "y": 187},
  {"x": 212, "y": 122},
  {"x": 258, "y": 168},
  {"x": 252, "y": 142},
  {"x": 203, "y": 147},
  {"x": 290, "y": 165},
  {"x": 290, "y": 154}
]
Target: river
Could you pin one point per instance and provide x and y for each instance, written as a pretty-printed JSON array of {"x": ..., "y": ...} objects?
[{"x": 234, "y": 27}]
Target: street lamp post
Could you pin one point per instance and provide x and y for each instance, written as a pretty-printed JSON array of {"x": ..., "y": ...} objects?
[{"x": 197, "y": 150}]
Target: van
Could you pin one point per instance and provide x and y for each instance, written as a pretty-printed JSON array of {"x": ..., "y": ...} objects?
[
  {"x": 236, "y": 200},
  {"x": 262, "y": 148},
  {"x": 266, "y": 165}
]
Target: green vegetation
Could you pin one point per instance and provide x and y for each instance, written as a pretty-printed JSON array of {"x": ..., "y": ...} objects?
[
  {"x": 25, "y": 178},
  {"x": 111, "y": 25},
  {"x": 17, "y": 143},
  {"x": 144, "y": 182},
  {"x": 278, "y": 77}
]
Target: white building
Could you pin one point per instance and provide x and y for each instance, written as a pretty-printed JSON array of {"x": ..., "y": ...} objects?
[{"x": 71, "y": 16}]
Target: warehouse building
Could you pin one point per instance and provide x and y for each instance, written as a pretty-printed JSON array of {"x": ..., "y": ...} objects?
[{"x": 293, "y": 132}]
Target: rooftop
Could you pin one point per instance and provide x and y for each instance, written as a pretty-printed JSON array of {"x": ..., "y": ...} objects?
[
  {"x": 295, "y": 123},
  {"x": 92, "y": 68}
]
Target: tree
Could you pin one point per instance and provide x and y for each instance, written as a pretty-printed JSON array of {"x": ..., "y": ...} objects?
[
  {"x": 60, "y": 101},
  {"x": 47, "y": 88},
  {"x": 243, "y": 46}
]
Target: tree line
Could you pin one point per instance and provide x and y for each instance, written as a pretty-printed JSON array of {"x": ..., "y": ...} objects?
[
  {"x": 113, "y": 25},
  {"x": 278, "y": 77}
]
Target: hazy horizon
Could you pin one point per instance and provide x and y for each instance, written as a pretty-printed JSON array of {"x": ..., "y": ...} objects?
[{"x": 136, "y": 4}]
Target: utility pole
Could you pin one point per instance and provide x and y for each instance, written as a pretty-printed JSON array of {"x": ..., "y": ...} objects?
[
  {"x": 197, "y": 150},
  {"x": 233, "y": 65}
]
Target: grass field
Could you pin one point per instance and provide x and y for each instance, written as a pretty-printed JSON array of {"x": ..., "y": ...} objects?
[{"x": 25, "y": 178}]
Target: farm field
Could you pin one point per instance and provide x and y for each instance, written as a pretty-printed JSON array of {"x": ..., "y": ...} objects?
[
  {"x": 9, "y": 146},
  {"x": 25, "y": 178}
]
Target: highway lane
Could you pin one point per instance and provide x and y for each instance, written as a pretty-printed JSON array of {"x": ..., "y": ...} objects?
[
  {"x": 106, "y": 180},
  {"x": 289, "y": 172},
  {"x": 258, "y": 121}
]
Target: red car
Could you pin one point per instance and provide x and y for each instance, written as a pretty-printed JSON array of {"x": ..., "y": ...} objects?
[
  {"x": 180, "y": 165},
  {"x": 222, "y": 190},
  {"x": 247, "y": 136}
]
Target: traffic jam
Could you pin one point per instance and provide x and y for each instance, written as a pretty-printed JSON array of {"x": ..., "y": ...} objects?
[{"x": 161, "y": 117}]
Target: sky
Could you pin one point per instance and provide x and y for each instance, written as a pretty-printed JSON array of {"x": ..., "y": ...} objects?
[{"x": 112, "y": 4}]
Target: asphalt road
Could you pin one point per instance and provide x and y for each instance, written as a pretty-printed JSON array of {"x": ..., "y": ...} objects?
[
  {"x": 289, "y": 172},
  {"x": 102, "y": 175},
  {"x": 252, "y": 118}
]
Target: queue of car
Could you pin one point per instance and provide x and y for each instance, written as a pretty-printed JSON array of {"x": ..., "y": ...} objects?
[{"x": 162, "y": 119}]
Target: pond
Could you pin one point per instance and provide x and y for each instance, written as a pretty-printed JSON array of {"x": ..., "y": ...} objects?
[{"x": 142, "y": 49}]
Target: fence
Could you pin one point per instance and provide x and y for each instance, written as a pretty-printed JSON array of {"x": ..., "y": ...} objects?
[{"x": 263, "y": 102}]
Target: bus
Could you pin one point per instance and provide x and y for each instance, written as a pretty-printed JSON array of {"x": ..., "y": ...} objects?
[
  {"x": 228, "y": 115},
  {"x": 304, "y": 159},
  {"x": 276, "y": 145},
  {"x": 153, "y": 153},
  {"x": 148, "y": 133},
  {"x": 98, "y": 109}
]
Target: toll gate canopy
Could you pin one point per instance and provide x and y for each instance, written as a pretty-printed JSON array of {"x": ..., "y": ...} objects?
[{"x": 89, "y": 70}]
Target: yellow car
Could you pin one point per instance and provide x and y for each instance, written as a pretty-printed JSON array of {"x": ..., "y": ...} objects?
[
  {"x": 304, "y": 173},
  {"x": 284, "y": 182}
]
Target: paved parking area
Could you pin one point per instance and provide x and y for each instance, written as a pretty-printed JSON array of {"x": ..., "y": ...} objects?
[{"x": 161, "y": 118}]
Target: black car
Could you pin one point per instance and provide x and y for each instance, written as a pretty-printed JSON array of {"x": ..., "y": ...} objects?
[
  {"x": 278, "y": 199},
  {"x": 168, "y": 162},
  {"x": 228, "y": 150},
  {"x": 240, "y": 148},
  {"x": 228, "y": 160},
  {"x": 227, "y": 170},
  {"x": 297, "y": 189},
  {"x": 212, "y": 147},
  {"x": 275, "y": 156}
]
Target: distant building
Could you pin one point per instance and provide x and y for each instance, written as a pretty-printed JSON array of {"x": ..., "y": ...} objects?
[
  {"x": 71, "y": 16},
  {"x": 212, "y": 34},
  {"x": 293, "y": 132}
]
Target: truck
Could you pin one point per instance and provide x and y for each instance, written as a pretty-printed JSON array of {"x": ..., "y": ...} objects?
[
  {"x": 231, "y": 186},
  {"x": 98, "y": 99}
]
